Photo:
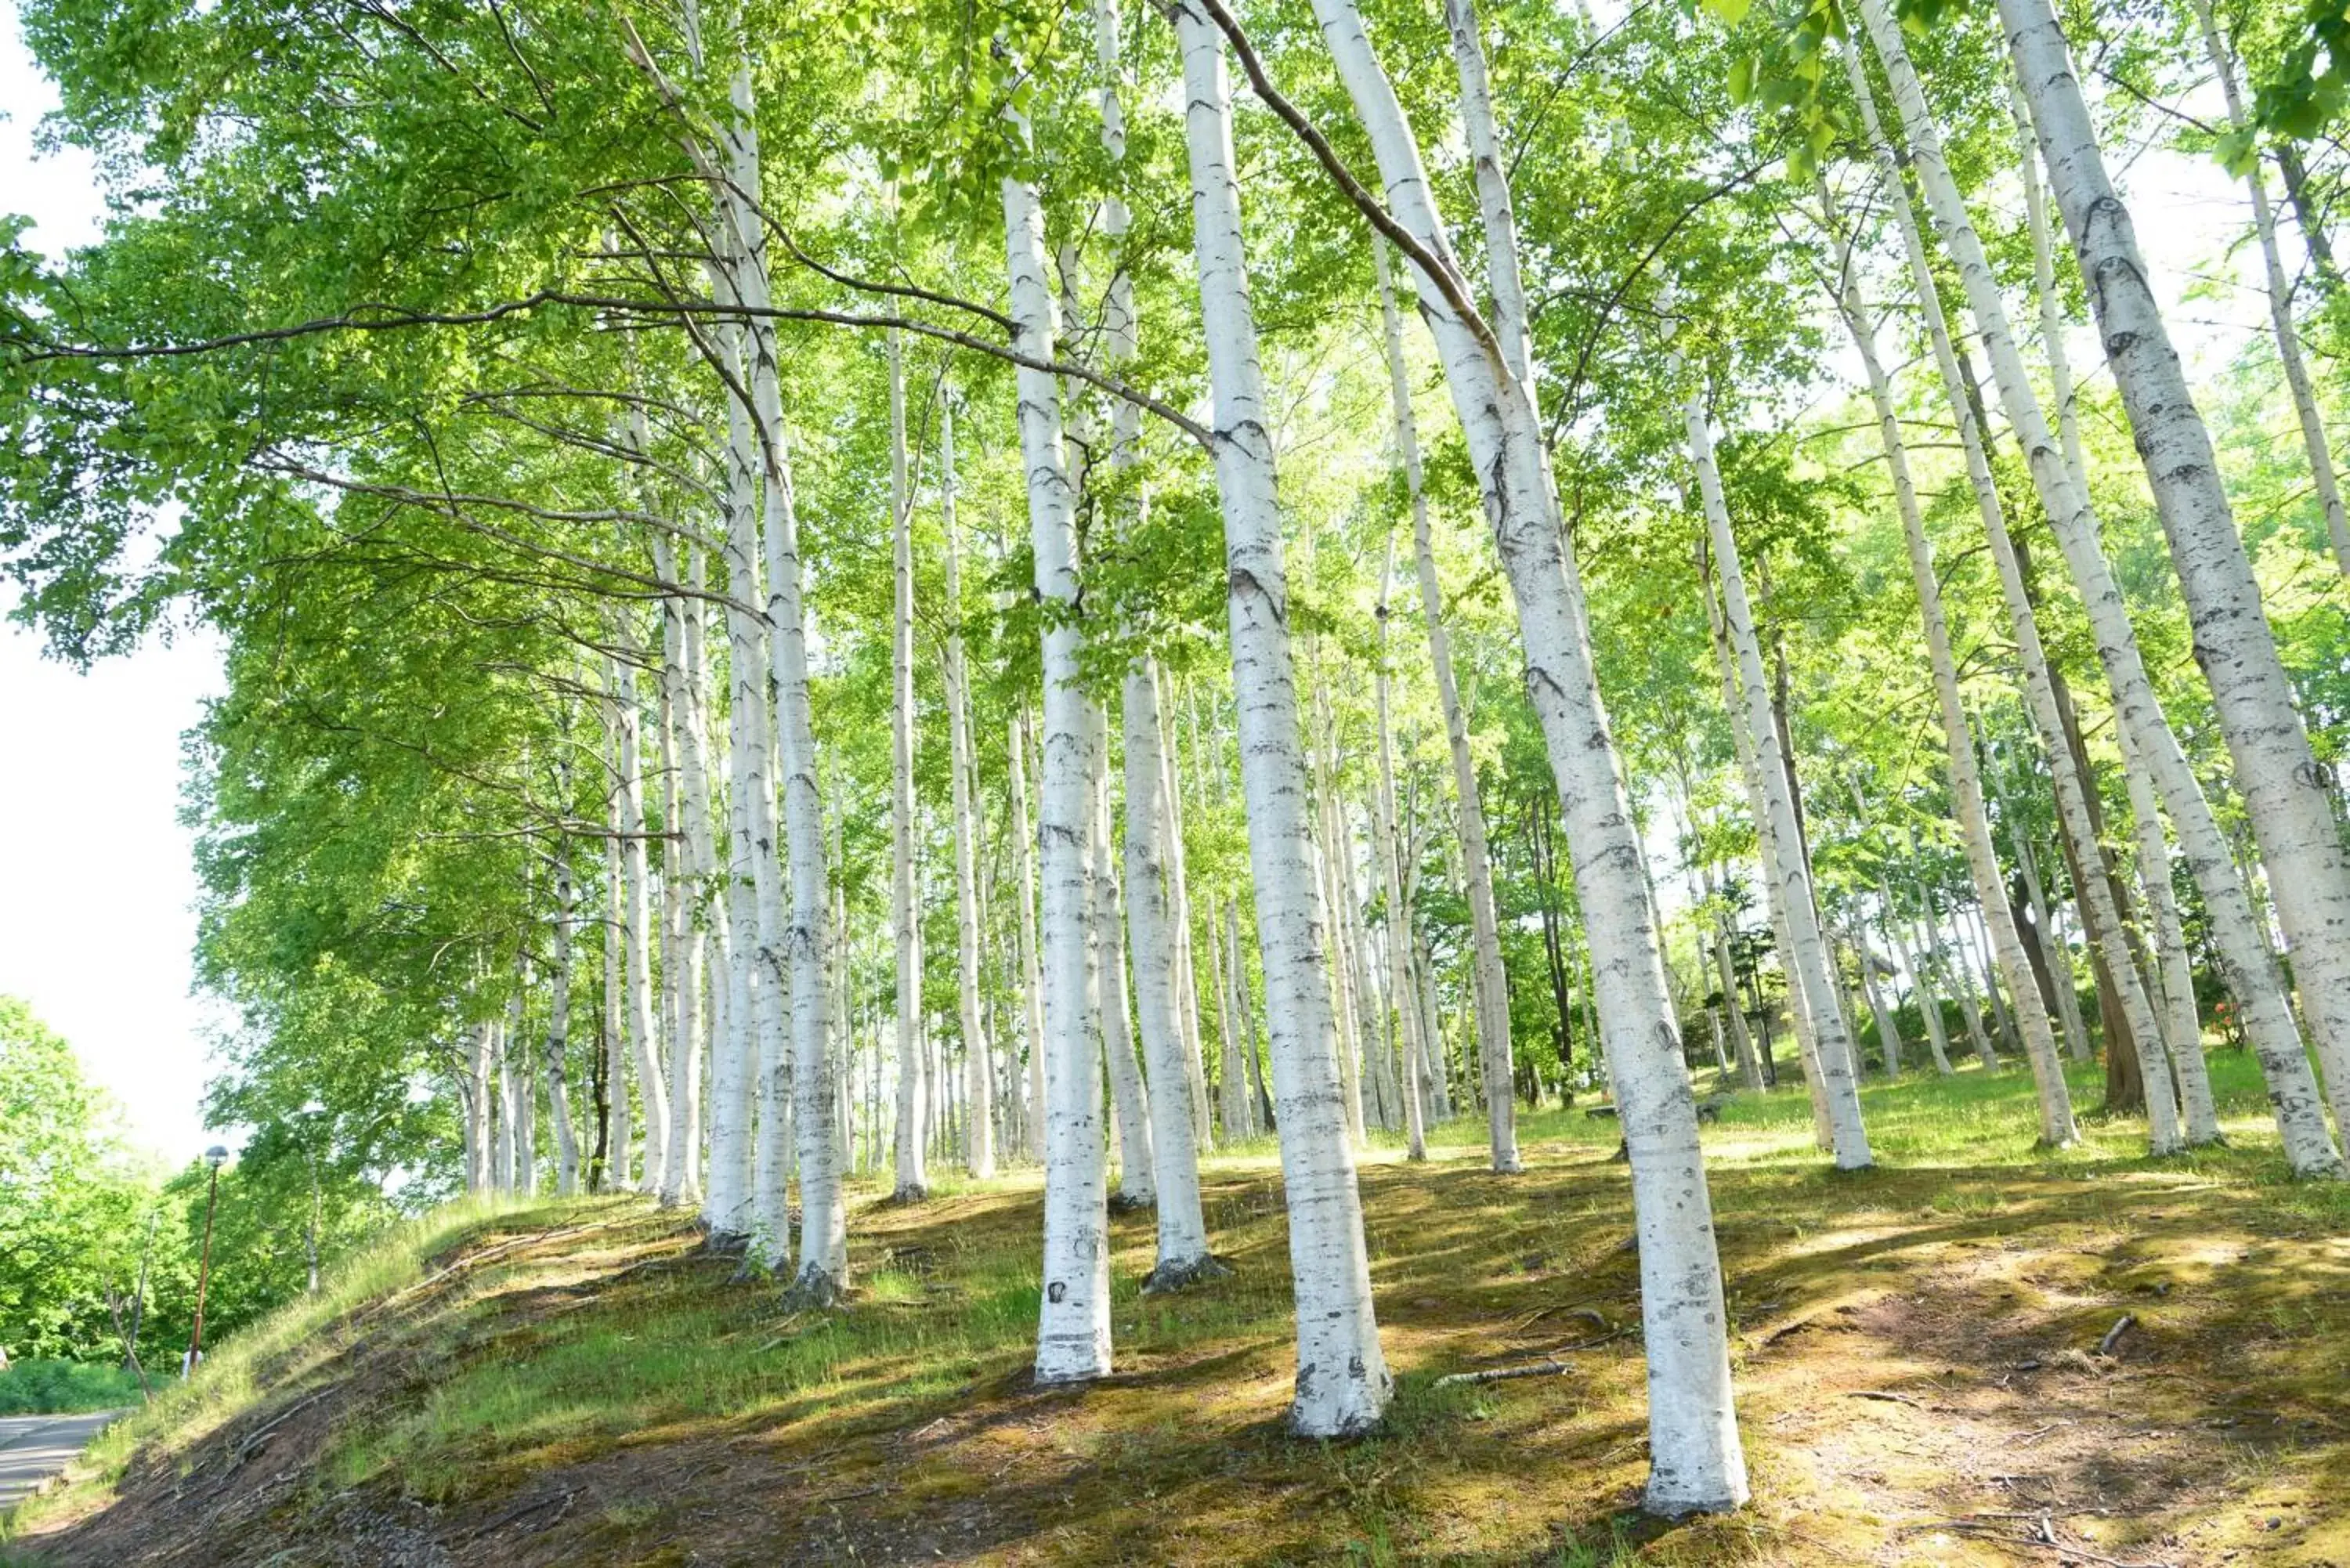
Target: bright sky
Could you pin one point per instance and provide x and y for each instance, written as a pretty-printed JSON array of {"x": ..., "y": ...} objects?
[
  {"x": 96, "y": 924},
  {"x": 98, "y": 920}
]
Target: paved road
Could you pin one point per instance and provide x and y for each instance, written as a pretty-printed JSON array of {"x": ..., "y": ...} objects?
[{"x": 34, "y": 1448}]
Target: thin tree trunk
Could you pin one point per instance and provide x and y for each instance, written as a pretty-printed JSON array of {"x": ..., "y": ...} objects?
[
  {"x": 1178, "y": 915},
  {"x": 619, "y": 1173},
  {"x": 558, "y": 1000},
  {"x": 1341, "y": 1384},
  {"x": 728, "y": 1211},
  {"x": 2280, "y": 292},
  {"x": 2173, "y": 981},
  {"x": 637, "y": 926},
  {"x": 1031, "y": 985},
  {"x": 2116, "y": 644},
  {"x": 1398, "y": 947},
  {"x": 913, "y": 1170},
  {"x": 1138, "y": 1186},
  {"x": 1696, "y": 1461},
  {"x": 1073, "y": 1340},
  {"x": 1809, "y": 978},
  {"x": 2246, "y": 958},
  {"x": 979, "y": 1060},
  {"x": 2055, "y": 1099},
  {"x": 1489, "y": 988},
  {"x": 1231, "y": 1078},
  {"x": 2286, "y": 793},
  {"x": 1183, "y": 1254}
]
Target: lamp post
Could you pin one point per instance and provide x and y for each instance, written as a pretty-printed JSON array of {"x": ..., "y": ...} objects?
[{"x": 214, "y": 1156}]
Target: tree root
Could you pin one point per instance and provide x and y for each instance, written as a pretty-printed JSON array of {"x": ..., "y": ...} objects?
[{"x": 1181, "y": 1274}]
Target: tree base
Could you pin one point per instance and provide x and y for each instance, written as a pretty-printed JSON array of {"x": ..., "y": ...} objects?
[
  {"x": 1689, "y": 1508},
  {"x": 1184, "y": 1273},
  {"x": 907, "y": 1194},
  {"x": 1124, "y": 1202},
  {"x": 815, "y": 1290}
]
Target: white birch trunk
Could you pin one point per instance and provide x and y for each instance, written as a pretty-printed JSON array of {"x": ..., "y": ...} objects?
[
  {"x": 1770, "y": 855},
  {"x": 2174, "y": 980},
  {"x": 728, "y": 1213},
  {"x": 912, "y": 1169},
  {"x": 2322, "y": 472},
  {"x": 1183, "y": 1254},
  {"x": 2287, "y": 795},
  {"x": 1696, "y": 1461},
  {"x": 558, "y": 1007},
  {"x": 1179, "y": 915},
  {"x": 1138, "y": 1186},
  {"x": 2117, "y": 642},
  {"x": 1341, "y": 1384},
  {"x": 1741, "y": 1038},
  {"x": 799, "y": 1099},
  {"x": 697, "y": 914},
  {"x": 1073, "y": 1341},
  {"x": 2055, "y": 1101},
  {"x": 637, "y": 927},
  {"x": 1824, "y": 1050},
  {"x": 2249, "y": 966},
  {"x": 1415, "y": 1051},
  {"x": 978, "y": 1060},
  {"x": 1231, "y": 1079},
  {"x": 1031, "y": 985},
  {"x": 476, "y": 1084},
  {"x": 2053, "y": 951},
  {"x": 619, "y": 1174},
  {"x": 1490, "y": 986}
]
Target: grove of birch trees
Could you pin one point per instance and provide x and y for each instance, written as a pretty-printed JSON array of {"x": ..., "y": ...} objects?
[{"x": 826, "y": 602}]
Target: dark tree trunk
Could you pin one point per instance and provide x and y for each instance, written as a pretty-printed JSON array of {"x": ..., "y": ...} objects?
[{"x": 2019, "y": 910}]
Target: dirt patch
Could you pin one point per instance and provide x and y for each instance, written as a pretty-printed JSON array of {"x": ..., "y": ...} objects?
[{"x": 1919, "y": 1376}]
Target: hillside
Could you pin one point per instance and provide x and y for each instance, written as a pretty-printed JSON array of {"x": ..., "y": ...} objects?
[{"x": 1919, "y": 1365}]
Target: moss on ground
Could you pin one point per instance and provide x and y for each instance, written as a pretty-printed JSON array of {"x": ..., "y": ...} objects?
[{"x": 578, "y": 1384}]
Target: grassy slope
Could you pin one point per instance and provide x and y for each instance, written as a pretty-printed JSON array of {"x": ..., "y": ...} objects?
[{"x": 1914, "y": 1386}]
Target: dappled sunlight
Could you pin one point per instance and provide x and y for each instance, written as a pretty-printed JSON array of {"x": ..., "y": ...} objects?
[{"x": 1916, "y": 1350}]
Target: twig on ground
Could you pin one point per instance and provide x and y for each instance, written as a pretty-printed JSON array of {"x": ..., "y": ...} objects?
[
  {"x": 1885, "y": 1394},
  {"x": 1545, "y": 1368}
]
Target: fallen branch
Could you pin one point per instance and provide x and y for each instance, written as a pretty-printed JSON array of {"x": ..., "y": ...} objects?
[
  {"x": 1548, "y": 1368},
  {"x": 2113, "y": 1334},
  {"x": 1885, "y": 1394}
]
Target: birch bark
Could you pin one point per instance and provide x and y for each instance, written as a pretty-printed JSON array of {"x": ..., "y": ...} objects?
[
  {"x": 912, "y": 1168},
  {"x": 2057, "y": 1127},
  {"x": 636, "y": 923},
  {"x": 559, "y": 1004},
  {"x": 2057, "y": 491},
  {"x": 727, "y": 1207},
  {"x": 979, "y": 1064},
  {"x": 1810, "y": 965},
  {"x": 1771, "y": 855},
  {"x": 1138, "y": 1186},
  {"x": 1031, "y": 985},
  {"x": 620, "y": 1132},
  {"x": 1696, "y": 1462},
  {"x": 1073, "y": 1342},
  {"x": 2292, "y": 1088},
  {"x": 1489, "y": 985},
  {"x": 1183, "y": 1254},
  {"x": 2279, "y": 294},
  {"x": 1341, "y": 1384}
]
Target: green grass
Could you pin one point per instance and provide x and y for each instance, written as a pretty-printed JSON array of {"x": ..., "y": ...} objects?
[
  {"x": 612, "y": 1353},
  {"x": 65, "y": 1388}
]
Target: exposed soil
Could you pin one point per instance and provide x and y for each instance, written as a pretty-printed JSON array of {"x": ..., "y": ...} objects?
[{"x": 1919, "y": 1378}]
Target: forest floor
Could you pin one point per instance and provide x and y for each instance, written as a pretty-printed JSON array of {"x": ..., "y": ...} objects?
[{"x": 1917, "y": 1349}]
